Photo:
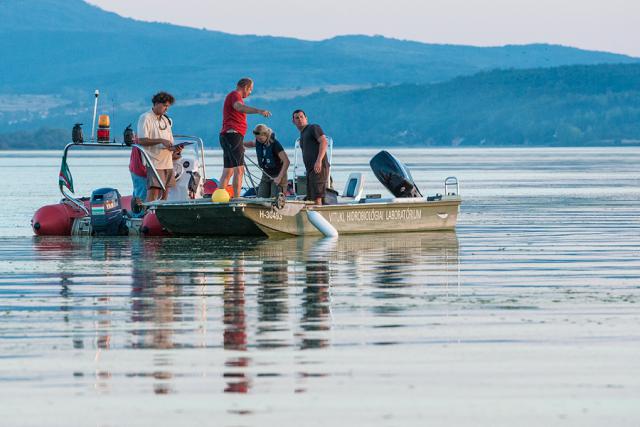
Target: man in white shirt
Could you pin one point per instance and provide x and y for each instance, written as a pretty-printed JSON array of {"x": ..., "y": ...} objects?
[{"x": 155, "y": 135}]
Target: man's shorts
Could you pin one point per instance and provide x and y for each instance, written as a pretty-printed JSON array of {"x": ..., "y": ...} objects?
[
  {"x": 166, "y": 176},
  {"x": 317, "y": 184},
  {"x": 232, "y": 149}
]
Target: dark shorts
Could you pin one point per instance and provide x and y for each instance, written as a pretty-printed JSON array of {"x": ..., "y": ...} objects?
[
  {"x": 317, "y": 184},
  {"x": 232, "y": 149},
  {"x": 166, "y": 176}
]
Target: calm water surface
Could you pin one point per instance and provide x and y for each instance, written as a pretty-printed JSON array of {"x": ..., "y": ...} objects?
[{"x": 528, "y": 314}]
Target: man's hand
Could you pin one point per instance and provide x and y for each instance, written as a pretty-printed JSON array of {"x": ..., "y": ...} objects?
[
  {"x": 317, "y": 167},
  {"x": 167, "y": 144},
  {"x": 265, "y": 113}
]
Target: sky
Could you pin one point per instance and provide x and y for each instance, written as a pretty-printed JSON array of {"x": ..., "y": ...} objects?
[{"x": 606, "y": 25}]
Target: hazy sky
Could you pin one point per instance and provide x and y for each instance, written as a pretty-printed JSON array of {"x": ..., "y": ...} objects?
[{"x": 610, "y": 25}]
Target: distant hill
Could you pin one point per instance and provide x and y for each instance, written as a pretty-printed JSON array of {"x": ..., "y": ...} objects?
[
  {"x": 568, "y": 106},
  {"x": 69, "y": 48},
  {"x": 576, "y": 105},
  {"x": 56, "y": 52}
]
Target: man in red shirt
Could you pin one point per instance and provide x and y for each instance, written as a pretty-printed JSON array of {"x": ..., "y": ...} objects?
[{"x": 234, "y": 127}]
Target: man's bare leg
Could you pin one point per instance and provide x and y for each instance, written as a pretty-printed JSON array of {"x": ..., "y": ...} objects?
[
  {"x": 154, "y": 194},
  {"x": 226, "y": 177},
  {"x": 238, "y": 174}
]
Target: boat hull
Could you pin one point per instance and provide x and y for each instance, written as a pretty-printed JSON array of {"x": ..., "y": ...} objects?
[
  {"x": 217, "y": 219},
  {"x": 261, "y": 219}
]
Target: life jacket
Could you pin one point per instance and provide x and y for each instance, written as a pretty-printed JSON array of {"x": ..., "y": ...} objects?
[{"x": 267, "y": 159}]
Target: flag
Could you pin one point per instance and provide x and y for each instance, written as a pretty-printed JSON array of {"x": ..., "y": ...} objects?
[{"x": 64, "y": 177}]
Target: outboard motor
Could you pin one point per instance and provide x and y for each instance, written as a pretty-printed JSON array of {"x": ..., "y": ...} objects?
[
  {"x": 394, "y": 175},
  {"x": 107, "y": 215}
]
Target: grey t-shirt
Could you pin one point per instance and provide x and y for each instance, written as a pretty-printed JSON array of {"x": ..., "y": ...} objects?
[{"x": 310, "y": 144}]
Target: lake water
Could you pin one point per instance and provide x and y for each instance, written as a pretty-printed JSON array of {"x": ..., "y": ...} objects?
[{"x": 529, "y": 314}]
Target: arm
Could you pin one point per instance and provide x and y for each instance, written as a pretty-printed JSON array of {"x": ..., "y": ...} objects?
[
  {"x": 239, "y": 106},
  {"x": 147, "y": 142},
  {"x": 322, "y": 151},
  {"x": 143, "y": 131},
  {"x": 285, "y": 166},
  {"x": 249, "y": 144}
]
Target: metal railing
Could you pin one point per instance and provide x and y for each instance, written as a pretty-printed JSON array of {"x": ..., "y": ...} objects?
[
  {"x": 451, "y": 181},
  {"x": 200, "y": 143},
  {"x": 93, "y": 145}
]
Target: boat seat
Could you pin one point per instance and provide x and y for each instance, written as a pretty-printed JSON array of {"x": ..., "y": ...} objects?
[{"x": 354, "y": 187}]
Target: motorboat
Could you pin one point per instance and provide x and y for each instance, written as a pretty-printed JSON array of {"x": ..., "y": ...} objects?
[
  {"x": 352, "y": 212},
  {"x": 190, "y": 210}
]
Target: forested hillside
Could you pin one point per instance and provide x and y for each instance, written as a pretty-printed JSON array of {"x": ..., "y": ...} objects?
[{"x": 573, "y": 106}]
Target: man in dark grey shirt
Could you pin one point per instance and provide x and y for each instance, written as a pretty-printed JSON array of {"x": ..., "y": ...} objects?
[{"x": 314, "y": 153}]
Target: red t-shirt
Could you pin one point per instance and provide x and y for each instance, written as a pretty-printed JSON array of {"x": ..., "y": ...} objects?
[
  {"x": 136, "y": 165},
  {"x": 232, "y": 118}
]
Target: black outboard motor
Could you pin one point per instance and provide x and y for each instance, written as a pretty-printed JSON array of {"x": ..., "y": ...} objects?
[
  {"x": 394, "y": 175},
  {"x": 107, "y": 215}
]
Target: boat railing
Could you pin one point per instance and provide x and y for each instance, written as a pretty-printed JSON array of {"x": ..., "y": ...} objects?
[
  {"x": 98, "y": 145},
  {"x": 451, "y": 186},
  {"x": 200, "y": 143}
]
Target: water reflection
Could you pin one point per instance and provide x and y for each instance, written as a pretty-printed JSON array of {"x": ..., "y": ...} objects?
[
  {"x": 316, "y": 309},
  {"x": 241, "y": 296},
  {"x": 235, "y": 327}
]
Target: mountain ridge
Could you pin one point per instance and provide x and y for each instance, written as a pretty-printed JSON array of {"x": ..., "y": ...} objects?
[
  {"x": 564, "y": 106},
  {"x": 56, "y": 52},
  {"x": 70, "y": 47}
]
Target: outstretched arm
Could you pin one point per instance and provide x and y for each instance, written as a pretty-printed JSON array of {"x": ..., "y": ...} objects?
[{"x": 243, "y": 108}]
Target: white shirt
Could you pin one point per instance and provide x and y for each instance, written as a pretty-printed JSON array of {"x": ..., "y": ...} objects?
[{"x": 149, "y": 126}]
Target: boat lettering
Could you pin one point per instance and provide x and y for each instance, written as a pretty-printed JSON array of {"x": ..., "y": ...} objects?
[
  {"x": 375, "y": 215},
  {"x": 361, "y": 215},
  {"x": 356, "y": 216},
  {"x": 336, "y": 217},
  {"x": 264, "y": 214},
  {"x": 403, "y": 215}
]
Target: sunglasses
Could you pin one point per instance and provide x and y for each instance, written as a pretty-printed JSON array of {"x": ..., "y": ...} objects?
[{"x": 257, "y": 133}]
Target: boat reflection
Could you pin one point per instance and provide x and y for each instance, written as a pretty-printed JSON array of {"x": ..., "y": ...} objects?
[
  {"x": 316, "y": 309},
  {"x": 235, "y": 328},
  {"x": 237, "y": 298}
]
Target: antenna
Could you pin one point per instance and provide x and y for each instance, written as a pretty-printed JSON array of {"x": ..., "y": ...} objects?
[{"x": 95, "y": 110}]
